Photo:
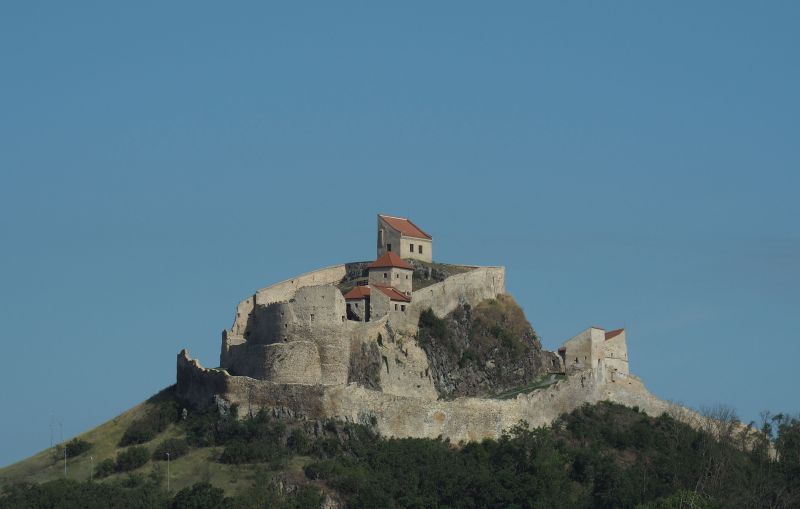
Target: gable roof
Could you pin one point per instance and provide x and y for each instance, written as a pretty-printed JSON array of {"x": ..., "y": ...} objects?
[
  {"x": 405, "y": 227},
  {"x": 614, "y": 333},
  {"x": 359, "y": 292},
  {"x": 393, "y": 294},
  {"x": 390, "y": 259}
]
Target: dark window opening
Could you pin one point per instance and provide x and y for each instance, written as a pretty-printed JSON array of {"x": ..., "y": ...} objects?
[
  {"x": 412, "y": 247},
  {"x": 420, "y": 249},
  {"x": 403, "y": 307},
  {"x": 388, "y": 247},
  {"x": 395, "y": 307},
  {"x": 384, "y": 275}
]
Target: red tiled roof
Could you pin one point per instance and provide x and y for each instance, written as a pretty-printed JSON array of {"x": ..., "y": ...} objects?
[
  {"x": 393, "y": 294},
  {"x": 614, "y": 333},
  {"x": 562, "y": 349},
  {"x": 359, "y": 292},
  {"x": 389, "y": 259},
  {"x": 405, "y": 226}
]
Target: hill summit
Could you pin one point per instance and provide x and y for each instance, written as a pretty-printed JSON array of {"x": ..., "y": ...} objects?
[{"x": 413, "y": 347}]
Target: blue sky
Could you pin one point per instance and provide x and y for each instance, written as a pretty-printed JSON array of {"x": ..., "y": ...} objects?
[{"x": 631, "y": 164}]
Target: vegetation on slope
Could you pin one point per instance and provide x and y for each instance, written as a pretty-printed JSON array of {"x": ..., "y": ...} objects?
[
  {"x": 597, "y": 456},
  {"x": 483, "y": 350}
]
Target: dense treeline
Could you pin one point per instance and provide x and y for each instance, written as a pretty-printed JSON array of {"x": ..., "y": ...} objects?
[{"x": 597, "y": 456}]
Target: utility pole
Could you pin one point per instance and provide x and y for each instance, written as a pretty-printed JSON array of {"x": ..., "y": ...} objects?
[
  {"x": 65, "y": 462},
  {"x": 167, "y": 472},
  {"x": 91, "y": 469}
]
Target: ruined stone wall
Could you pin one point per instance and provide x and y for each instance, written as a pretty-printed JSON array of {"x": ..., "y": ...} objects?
[
  {"x": 471, "y": 287},
  {"x": 284, "y": 291},
  {"x": 303, "y": 340},
  {"x": 404, "y": 368},
  {"x": 615, "y": 353},
  {"x": 406, "y": 415}
]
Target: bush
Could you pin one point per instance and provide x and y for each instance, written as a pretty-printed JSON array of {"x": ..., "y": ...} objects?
[
  {"x": 437, "y": 327},
  {"x": 154, "y": 422},
  {"x": 132, "y": 458},
  {"x": 176, "y": 448},
  {"x": 76, "y": 447},
  {"x": 105, "y": 468},
  {"x": 199, "y": 496},
  {"x": 298, "y": 442}
]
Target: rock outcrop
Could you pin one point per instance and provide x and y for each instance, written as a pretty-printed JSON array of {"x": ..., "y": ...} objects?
[{"x": 484, "y": 350}]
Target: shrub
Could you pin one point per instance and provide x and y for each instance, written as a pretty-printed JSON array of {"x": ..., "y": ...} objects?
[
  {"x": 298, "y": 441},
  {"x": 105, "y": 468},
  {"x": 132, "y": 458},
  {"x": 76, "y": 447},
  {"x": 176, "y": 448},
  {"x": 199, "y": 496},
  {"x": 436, "y": 326}
]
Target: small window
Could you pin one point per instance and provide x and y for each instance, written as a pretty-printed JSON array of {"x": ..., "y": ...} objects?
[
  {"x": 406, "y": 276},
  {"x": 356, "y": 305},
  {"x": 420, "y": 249},
  {"x": 403, "y": 308},
  {"x": 388, "y": 247},
  {"x": 395, "y": 307},
  {"x": 385, "y": 275},
  {"x": 312, "y": 317},
  {"x": 412, "y": 247},
  {"x": 397, "y": 276}
]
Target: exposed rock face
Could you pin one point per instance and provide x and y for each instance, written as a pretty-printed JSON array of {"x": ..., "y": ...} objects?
[{"x": 483, "y": 350}]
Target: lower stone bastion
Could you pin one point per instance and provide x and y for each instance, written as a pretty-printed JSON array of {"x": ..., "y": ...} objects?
[{"x": 292, "y": 352}]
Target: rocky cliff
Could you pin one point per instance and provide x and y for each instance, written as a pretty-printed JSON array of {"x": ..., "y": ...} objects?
[{"x": 483, "y": 350}]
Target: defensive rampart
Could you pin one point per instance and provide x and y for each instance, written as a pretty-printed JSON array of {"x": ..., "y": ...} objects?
[{"x": 395, "y": 415}]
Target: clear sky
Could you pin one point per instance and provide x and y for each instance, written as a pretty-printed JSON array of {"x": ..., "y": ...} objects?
[{"x": 632, "y": 164}]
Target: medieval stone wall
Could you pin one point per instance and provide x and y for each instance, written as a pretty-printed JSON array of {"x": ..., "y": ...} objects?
[
  {"x": 303, "y": 340},
  {"x": 284, "y": 291},
  {"x": 615, "y": 353},
  {"x": 406, "y": 415}
]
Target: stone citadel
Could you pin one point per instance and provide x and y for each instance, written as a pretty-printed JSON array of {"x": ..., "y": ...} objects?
[{"x": 344, "y": 342}]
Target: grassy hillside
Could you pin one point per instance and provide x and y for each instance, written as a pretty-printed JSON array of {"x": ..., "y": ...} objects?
[{"x": 198, "y": 465}]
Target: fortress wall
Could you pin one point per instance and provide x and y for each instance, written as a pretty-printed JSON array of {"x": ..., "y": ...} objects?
[
  {"x": 305, "y": 340},
  {"x": 284, "y": 291},
  {"x": 470, "y": 287},
  {"x": 404, "y": 368},
  {"x": 297, "y": 362},
  {"x": 243, "y": 310},
  {"x": 467, "y": 419},
  {"x": 311, "y": 308},
  {"x": 615, "y": 352}
]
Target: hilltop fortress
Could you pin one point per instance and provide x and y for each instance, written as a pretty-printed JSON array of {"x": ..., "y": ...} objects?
[{"x": 345, "y": 342}]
